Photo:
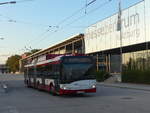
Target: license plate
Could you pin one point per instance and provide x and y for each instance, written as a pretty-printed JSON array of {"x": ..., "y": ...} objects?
[{"x": 79, "y": 92}]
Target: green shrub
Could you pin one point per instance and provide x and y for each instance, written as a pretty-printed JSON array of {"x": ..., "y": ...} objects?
[
  {"x": 136, "y": 76},
  {"x": 102, "y": 75}
]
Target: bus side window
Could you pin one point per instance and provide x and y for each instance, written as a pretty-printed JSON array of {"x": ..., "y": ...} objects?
[
  {"x": 50, "y": 71},
  {"x": 56, "y": 70},
  {"x": 38, "y": 71},
  {"x": 31, "y": 72},
  {"x": 45, "y": 71}
]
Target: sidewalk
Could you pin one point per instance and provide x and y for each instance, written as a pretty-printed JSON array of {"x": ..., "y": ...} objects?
[{"x": 126, "y": 85}]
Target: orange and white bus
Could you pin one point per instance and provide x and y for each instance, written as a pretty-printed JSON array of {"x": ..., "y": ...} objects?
[{"x": 62, "y": 74}]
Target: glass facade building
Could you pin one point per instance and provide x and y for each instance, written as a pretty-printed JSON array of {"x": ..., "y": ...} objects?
[
  {"x": 133, "y": 57},
  {"x": 117, "y": 53},
  {"x": 139, "y": 60}
]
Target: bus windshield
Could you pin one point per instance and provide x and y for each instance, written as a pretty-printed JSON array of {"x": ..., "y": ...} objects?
[{"x": 74, "y": 72}]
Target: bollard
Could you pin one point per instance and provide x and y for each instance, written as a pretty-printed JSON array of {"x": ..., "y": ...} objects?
[{"x": 5, "y": 87}]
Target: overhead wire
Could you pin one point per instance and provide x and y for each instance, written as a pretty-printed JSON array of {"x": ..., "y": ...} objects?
[
  {"x": 75, "y": 20},
  {"x": 10, "y": 20},
  {"x": 69, "y": 17},
  {"x": 66, "y": 19},
  {"x": 20, "y": 1},
  {"x": 76, "y": 12},
  {"x": 23, "y": 22},
  {"x": 61, "y": 22},
  {"x": 91, "y": 11}
]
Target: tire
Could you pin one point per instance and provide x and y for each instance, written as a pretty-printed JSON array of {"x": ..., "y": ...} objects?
[
  {"x": 27, "y": 84},
  {"x": 37, "y": 85},
  {"x": 52, "y": 90}
]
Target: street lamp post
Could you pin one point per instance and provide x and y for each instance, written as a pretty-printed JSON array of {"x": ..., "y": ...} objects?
[
  {"x": 119, "y": 28},
  {"x": 11, "y": 2}
]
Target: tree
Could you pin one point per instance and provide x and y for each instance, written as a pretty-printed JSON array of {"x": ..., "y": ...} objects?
[
  {"x": 32, "y": 51},
  {"x": 35, "y": 50},
  {"x": 13, "y": 63}
]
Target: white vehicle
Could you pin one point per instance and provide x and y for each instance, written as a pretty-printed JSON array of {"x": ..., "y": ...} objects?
[{"x": 62, "y": 74}]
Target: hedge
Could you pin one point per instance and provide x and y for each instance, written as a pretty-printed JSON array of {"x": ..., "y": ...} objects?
[
  {"x": 102, "y": 75},
  {"x": 136, "y": 76}
]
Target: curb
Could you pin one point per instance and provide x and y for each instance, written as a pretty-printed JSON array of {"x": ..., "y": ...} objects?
[{"x": 124, "y": 87}]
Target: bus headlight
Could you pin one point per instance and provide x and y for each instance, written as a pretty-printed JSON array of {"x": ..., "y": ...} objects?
[
  {"x": 93, "y": 86},
  {"x": 64, "y": 88}
]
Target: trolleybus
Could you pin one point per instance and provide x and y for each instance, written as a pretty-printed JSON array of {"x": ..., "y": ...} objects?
[{"x": 61, "y": 74}]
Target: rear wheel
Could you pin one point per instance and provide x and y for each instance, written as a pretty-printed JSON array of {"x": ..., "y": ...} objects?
[{"x": 38, "y": 85}]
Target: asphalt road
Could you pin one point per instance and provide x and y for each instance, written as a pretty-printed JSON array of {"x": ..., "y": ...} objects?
[{"x": 20, "y": 99}]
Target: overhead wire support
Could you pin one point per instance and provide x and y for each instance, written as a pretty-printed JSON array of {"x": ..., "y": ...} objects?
[
  {"x": 91, "y": 11},
  {"x": 100, "y": 6},
  {"x": 90, "y": 2},
  {"x": 73, "y": 14},
  {"x": 11, "y": 20},
  {"x": 87, "y": 4},
  {"x": 75, "y": 20},
  {"x": 43, "y": 34},
  {"x": 64, "y": 20},
  {"x": 76, "y": 12}
]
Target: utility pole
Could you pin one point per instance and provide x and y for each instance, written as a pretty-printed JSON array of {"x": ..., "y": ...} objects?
[{"x": 119, "y": 28}]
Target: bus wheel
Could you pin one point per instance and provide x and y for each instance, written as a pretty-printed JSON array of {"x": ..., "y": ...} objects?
[
  {"x": 27, "y": 84},
  {"x": 52, "y": 90},
  {"x": 37, "y": 85}
]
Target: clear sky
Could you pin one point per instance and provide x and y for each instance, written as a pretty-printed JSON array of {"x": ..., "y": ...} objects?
[{"x": 25, "y": 24}]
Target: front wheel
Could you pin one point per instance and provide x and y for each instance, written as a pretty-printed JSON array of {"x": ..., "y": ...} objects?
[
  {"x": 52, "y": 90},
  {"x": 27, "y": 84}
]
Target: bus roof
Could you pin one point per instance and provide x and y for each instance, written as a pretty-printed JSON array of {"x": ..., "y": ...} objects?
[{"x": 50, "y": 58}]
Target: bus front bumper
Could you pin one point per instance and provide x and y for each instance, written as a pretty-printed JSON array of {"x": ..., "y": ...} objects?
[{"x": 65, "y": 91}]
